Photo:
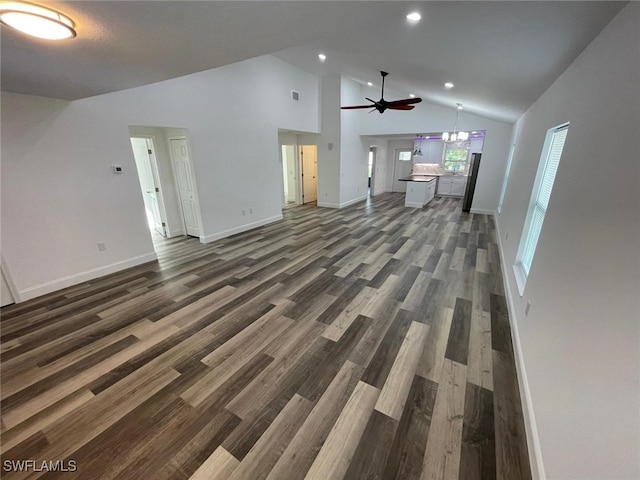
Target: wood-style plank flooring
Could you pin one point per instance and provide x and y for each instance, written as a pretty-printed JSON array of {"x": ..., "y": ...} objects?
[{"x": 371, "y": 342}]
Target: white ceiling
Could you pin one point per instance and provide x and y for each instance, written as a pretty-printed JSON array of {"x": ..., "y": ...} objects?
[{"x": 501, "y": 55}]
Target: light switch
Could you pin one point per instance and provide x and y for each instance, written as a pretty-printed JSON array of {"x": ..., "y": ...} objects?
[{"x": 117, "y": 169}]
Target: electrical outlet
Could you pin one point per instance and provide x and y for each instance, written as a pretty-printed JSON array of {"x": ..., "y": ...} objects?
[
  {"x": 244, "y": 213},
  {"x": 102, "y": 246},
  {"x": 250, "y": 211},
  {"x": 527, "y": 308}
]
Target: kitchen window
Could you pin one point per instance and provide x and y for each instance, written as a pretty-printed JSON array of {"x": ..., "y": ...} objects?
[
  {"x": 455, "y": 160},
  {"x": 540, "y": 196}
]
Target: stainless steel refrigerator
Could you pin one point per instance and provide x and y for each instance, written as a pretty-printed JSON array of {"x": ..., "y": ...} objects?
[{"x": 474, "y": 166}]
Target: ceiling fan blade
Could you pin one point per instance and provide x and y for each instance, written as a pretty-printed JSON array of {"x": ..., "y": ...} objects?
[
  {"x": 406, "y": 101},
  {"x": 356, "y": 106},
  {"x": 401, "y": 107}
]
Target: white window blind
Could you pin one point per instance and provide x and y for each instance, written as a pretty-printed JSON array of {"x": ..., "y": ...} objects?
[{"x": 542, "y": 194}]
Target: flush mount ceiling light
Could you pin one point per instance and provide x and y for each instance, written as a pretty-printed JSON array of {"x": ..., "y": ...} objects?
[
  {"x": 414, "y": 17},
  {"x": 370, "y": 84},
  {"x": 412, "y": 95},
  {"x": 449, "y": 85},
  {"x": 36, "y": 21},
  {"x": 322, "y": 57},
  {"x": 456, "y": 136}
]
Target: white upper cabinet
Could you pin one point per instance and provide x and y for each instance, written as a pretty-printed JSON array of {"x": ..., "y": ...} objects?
[{"x": 434, "y": 152}]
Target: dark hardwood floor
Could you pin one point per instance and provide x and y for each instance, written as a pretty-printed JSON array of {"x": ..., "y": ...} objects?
[{"x": 371, "y": 342}]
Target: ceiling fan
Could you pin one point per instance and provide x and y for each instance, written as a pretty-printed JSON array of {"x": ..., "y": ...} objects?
[{"x": 381, "y": 105}]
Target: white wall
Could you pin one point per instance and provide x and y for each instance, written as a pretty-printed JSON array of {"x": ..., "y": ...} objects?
[
  {"x": 579, "y": 345},
  {"x": 329, "y": 143},
  {"x": 381, "y": 167},
  {"x": 429, "y": 117},
  {"x": 354, "y": 150},
  {"x": 59, "y": 197}
]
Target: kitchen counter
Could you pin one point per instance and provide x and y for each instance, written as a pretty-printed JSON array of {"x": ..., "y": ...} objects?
[
  {"x": 418, "y": 178},
  {"x": 420, "y": 190}
]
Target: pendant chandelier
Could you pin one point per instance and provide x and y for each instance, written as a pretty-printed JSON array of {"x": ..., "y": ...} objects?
[
  {"x": 456, "y": 136},
  {"x": 417, "y": 152}
]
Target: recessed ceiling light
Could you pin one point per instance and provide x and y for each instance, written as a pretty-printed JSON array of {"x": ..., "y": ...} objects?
[
  {"x": 414, "y": 17},
  {"x": 412, "y": 95},
  {"x": 36, "y": 21},
  {"x": 370, "y": 84},
  {"x": 322, "y": 57},
  {"x": 449, "y": 85}
]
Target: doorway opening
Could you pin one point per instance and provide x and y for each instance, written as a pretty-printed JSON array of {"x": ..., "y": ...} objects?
[
  {"x": 371, "y": 169},
  {"x": 186, "y": 185},
  {"x": 289, "y": 174},
  {"x": 309, "y": 173},
  {"x": 167, "y": 181},
  {"x": 147, "y": 167}
]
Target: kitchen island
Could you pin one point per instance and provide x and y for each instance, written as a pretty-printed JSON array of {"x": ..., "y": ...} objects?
[{"x": 420, "y": 190}]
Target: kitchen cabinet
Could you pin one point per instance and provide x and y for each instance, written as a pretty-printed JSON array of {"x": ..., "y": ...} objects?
[
  {"x": 452, "y": 185},
  {"x": 435, "y": 150}
]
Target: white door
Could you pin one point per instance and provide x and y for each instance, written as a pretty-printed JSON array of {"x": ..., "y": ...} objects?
[
  {"x": 5, "y": 293},
  {"x": 186, "y": 185},
  {"x": 143, "y": 154},
  {"x": 309, "y": 160},
  {"x": 402, "y": 168}
]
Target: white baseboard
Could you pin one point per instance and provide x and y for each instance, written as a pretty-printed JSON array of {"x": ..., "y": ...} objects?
[
  {"x": 64, "y": 282},
  {"x": 243, "y": 228},
  {"x": 355, "y": 200},
  {"x": 342, "y": 205},
  {"x": 533, "y": 439},
  {"x": 413, "y": 205},
  {"x": 483, "y": 212},
  {"x": 328, "y": 205}
]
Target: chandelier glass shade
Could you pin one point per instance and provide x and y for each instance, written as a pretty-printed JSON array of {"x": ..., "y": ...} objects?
[{"x": 455, "y": 135}]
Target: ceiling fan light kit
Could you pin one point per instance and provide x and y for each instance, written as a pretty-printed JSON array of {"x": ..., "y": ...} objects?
[
  {"x": 382, "y": 105},
  {"x": 36, "y": 21}
]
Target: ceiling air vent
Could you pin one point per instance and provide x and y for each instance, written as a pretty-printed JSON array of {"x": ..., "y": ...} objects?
[{"x": 295, "y": 95}]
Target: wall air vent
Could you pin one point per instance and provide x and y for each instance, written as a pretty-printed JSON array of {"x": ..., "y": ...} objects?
[{"x": 295, "y": 95}]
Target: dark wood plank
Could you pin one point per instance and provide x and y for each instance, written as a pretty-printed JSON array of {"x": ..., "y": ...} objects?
[
  {"x": 370, "y": 457},
  {"x": 478, "y": 454},
  {"x": 458, "y": 344},
  {"x": 500, "y": 329},
  {"x": 407, "y": 452}
]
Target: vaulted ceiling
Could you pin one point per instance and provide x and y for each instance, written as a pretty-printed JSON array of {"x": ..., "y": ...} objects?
[{"x": 500, "y": 55}]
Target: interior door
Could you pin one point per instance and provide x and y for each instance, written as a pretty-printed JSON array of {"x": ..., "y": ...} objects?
[
  {"x": 186, "y": 185},
  {"x": 402, "y": 168},
  {"x": 142, "y": 152},
  {"x": 309, "y": 157}
]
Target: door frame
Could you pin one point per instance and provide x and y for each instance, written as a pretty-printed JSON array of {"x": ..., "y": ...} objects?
[
  {"x": 193, "y": 180},
  {"x": 156, "y": 179},
  {"x": 373, "y": 149}
]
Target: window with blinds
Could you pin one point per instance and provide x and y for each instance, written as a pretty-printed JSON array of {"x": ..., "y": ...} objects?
[{"x": 549, "y": 161}]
